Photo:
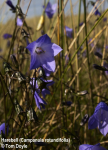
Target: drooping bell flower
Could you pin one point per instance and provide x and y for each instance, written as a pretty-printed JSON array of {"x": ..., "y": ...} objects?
[
  {"x": 68, "y": 32},
  {"x": 42, "y": 85},
  {"x": 99, "y": 67},
  {"x": 84, "y": 53},
  {"x": 7, "y": 36},
  {"x": 39, "y": 101},
  {"x": 105, "y": 19},
  {"x": 92, "y": 44},
  {"x": 81, "y": 24},
  {"x": 98, "y": 54},
  {"x": 2, "y": 128},
  {"x": 106, "y": 66},
  {"x": 106, "y": 48},
  {"x": 99, "y": 118},
  {"x": 97, "y": 12},
  {"x": 9, "y": 3},
  {"x": 43, "y": 52},
  {"x": 91, "y": 147},
  {"x": 67, "y": 103},
  {"x": 50, "y": 9},
  {"x": 66, "y": 59}
]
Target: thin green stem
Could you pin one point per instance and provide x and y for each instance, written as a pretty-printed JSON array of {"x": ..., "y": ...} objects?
[{"x": 91, "y": 95}]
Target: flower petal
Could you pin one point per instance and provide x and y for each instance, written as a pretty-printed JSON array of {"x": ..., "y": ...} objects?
[
  {"x": 56, "y": 49},
  {"x": 43, "y": 40},
  {"x": 68, "y": 32},
  {"x": 91, "y": 147},
  {"x": 35, "y": 62},
  {"x": 19, "y": 21},
  {"x": 101, "y": 105},
  {"x": 47, "y": 72},
  {"x": 39, "y": 100},
  {"x": 54, "y": 7},
  {"x": 9, "y": 3},
  {"x": 103, "y": 128},
  {"x": 6, "y": 36},
  {"x": 31, "y": 47},
  {"x": 92, "y": 123},
  {"x": 85, "y": 147},
  {"x": 44, "y": 92},
  {"x": 50, "y": 66},
  {"x": 2, "y": 127}
]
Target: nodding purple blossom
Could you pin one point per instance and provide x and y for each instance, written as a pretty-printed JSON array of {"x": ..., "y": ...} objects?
[
  {"x": 99, "y": 118},
  {"x": 84, "y": 54},
  {"x": 95, "y": 66},
  {"x": 69, "y": 32},
  {"x": 2, "y": 128},
  {"x": 98, "y": 50},
  {"x": 43, "y": 86},
  {"x": 43, "y": 52},
  {"x": 9, "y": 3},
  {"x": 106, "y": 66},
  {"x": 81, "y": 24},
  {"x": 39, "y": 101},
  {"x": 91, "y": 147},
  {"x": 92, "y": 44},
  {"x": 7, "y": 36},
  {"x": 67, "y": 103},
  {"x": 66, "y": 59},
  {"x": 98, "y": 53},
  {"x": 97, "y": 12},
  {"x": 50, "y": 9},
  {"x": 105, "y": 19},
  {"x": 106, "y": 48},
  {"x": 19, "y": 21}
]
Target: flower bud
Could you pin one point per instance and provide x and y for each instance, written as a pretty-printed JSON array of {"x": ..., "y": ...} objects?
[
  {"x": 20, "y": 77},
  {"x": 31, "y": 115},
  {"x": 84, "y": 120},
  {"x": 82, "y": 93},
  {"x": 99, "y": 67},
  {"x": 18, "y": 108},
  {"x": 40, "y": 23}
]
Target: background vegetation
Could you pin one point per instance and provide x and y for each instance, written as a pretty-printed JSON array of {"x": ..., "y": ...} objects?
[{"x": 71, "y": 76}]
